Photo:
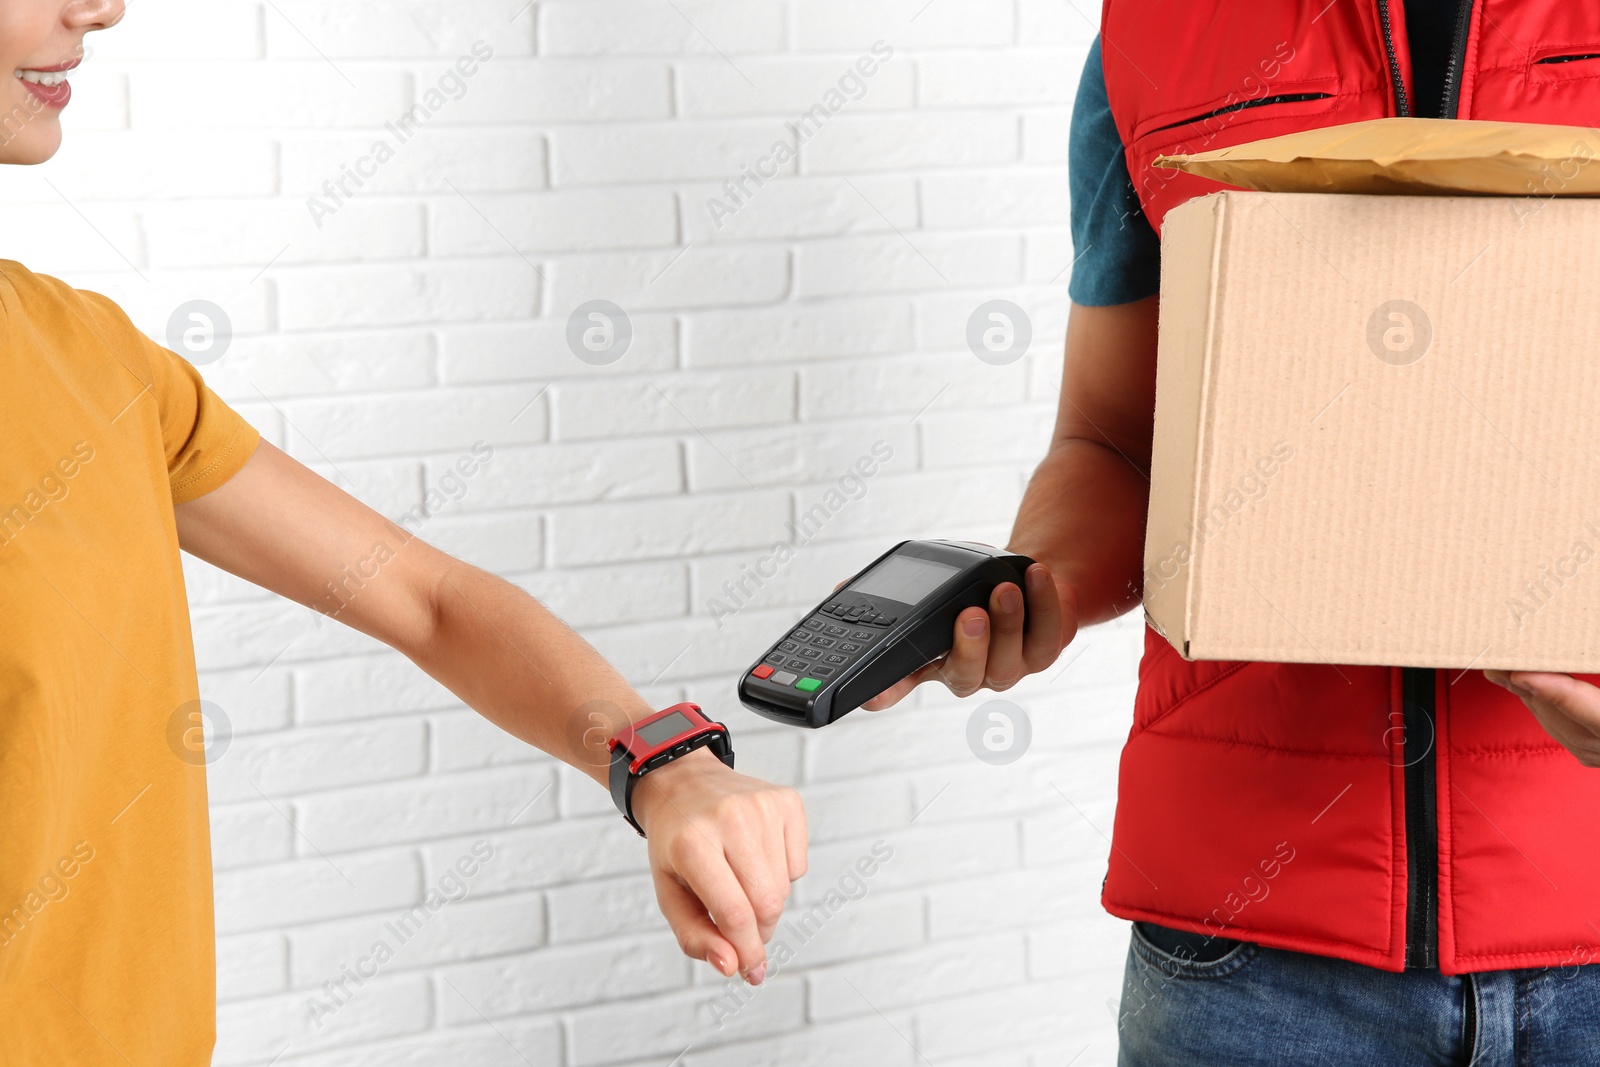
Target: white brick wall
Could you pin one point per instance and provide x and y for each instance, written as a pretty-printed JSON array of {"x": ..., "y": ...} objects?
[{"x": 429, "y": 311}]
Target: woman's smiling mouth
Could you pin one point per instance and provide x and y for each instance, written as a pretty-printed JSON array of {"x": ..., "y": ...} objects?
[{"x": 49, "y": 84}]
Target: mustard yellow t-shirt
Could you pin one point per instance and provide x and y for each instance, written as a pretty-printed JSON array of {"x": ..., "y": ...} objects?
[{"x": 106, "y": 941}]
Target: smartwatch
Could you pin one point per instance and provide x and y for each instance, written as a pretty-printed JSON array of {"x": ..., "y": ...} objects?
[{"x": 657, "y": 740}]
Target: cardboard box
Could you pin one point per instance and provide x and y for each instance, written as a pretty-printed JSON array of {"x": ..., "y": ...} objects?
[{"x": 1378, "y": 427}]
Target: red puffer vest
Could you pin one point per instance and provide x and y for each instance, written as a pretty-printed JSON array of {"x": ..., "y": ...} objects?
[{"x": 1390, "y": 817}]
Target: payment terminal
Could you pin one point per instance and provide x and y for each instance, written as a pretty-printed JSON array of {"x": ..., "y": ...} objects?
[{"x": 895, "y": 616}]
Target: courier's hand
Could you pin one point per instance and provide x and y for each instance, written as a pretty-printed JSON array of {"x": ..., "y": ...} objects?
[
  {"x": 723, "y": 849},
  {"x": 990, "y": 650},
  {"x": 1569, "y": 710}
]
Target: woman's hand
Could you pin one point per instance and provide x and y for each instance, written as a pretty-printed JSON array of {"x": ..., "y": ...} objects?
[
  {"x": 990, "y": 649},
  {"x": 724, "y": 849},
  {"x": 1569, "y": 710}
]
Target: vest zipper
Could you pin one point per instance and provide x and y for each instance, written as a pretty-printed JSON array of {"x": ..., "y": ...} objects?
[
  {"x": 1402, "y": 105},
  {"x": 1419, "y": 685},
  {"x": 1458, "y": 58},
  {"x": 1419, "y": 704}
]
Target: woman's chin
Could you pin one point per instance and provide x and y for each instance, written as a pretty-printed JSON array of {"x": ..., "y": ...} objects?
[{"x": 35, "y": 144}]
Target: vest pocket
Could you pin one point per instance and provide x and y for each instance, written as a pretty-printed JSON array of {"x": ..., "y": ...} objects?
[{"x": 1280, "y": 98}]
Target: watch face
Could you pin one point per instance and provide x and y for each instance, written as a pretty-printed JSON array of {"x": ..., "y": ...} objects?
[
  {"x": 664, "y": 729},
  {"x": 904, "y": 579}
]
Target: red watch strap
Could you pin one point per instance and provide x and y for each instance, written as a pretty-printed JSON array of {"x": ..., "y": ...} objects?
[{"x": 629, "y": 752}]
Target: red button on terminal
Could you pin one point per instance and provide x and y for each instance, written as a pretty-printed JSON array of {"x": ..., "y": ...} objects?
[{"x": 762, "y": 671}]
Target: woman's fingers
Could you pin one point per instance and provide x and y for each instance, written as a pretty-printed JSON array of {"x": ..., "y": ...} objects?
[
  {"x": 724, "y": 849},
  {"x": 697, "y": 935},
  {"x": 761, "y": 865},
  {"x": 796, "y": 837},
  {"x": 702, "y": 866},
  {"x": 753, "y": 834}
]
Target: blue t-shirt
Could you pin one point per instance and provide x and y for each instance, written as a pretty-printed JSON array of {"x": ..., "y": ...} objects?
[{"x": 1117, "y": 254}]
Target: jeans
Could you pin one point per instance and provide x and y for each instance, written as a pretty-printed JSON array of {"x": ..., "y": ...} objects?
[{"x": 1188, "y": 1000}]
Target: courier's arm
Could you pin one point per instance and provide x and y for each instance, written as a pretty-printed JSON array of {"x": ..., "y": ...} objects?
[
  {"x": 1083, "y": 515},
  {"x": 1084, "y": 511},
  {"x": 719, "y": 842}
]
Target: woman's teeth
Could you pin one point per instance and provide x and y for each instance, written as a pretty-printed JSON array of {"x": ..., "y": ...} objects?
[{"x": 43, "y": 77}]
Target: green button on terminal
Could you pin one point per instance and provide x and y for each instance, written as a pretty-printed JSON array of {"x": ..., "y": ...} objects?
[{"x": 808, "y": 685}]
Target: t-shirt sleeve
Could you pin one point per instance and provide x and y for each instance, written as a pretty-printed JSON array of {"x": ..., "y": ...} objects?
[
  {"x": 205, "y": 440},
  {"x": 1117, "y": 256}
]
